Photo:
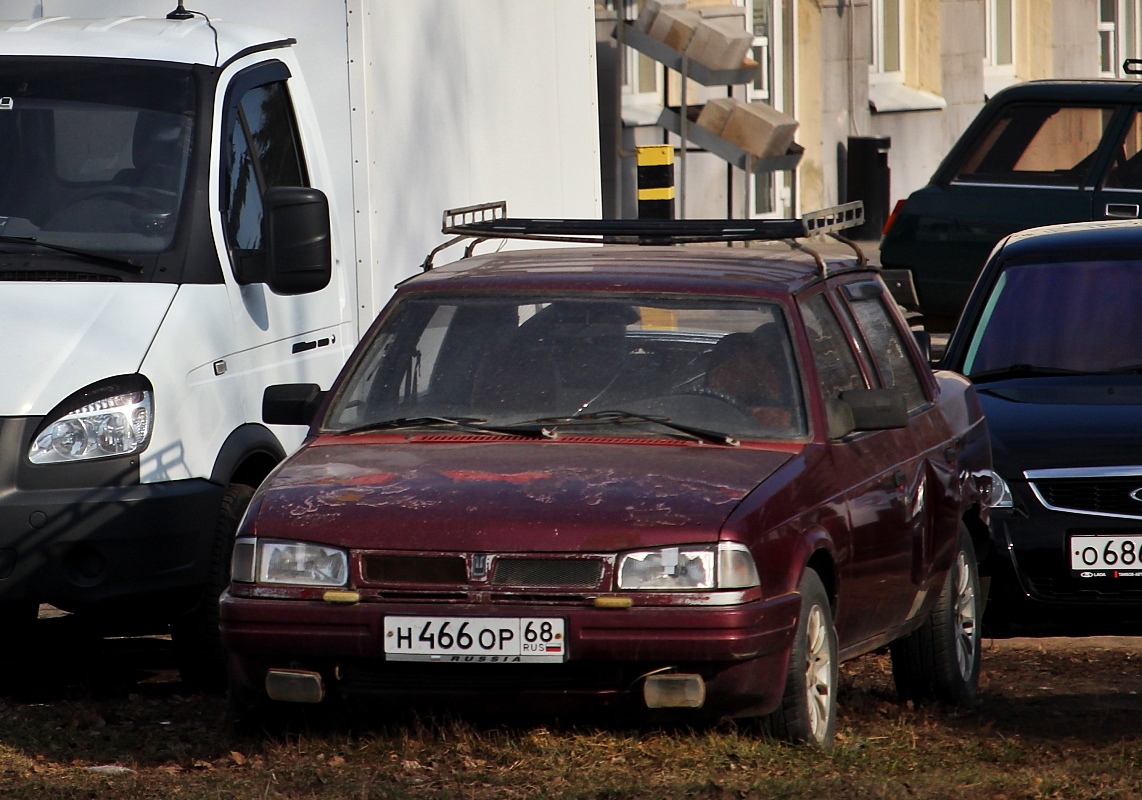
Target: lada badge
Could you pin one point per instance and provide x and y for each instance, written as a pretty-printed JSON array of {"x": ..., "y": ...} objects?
[{"x": 1137, "y": 494}]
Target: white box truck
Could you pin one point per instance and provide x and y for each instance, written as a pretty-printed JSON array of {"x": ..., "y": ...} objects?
[{"x": 196, "y": 203}]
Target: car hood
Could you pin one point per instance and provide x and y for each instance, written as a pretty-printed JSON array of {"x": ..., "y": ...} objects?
[
  {"x": 1046, "y": 423},
  {"x": 61, "y": 337},
  {"x": 510, "y": 496}
]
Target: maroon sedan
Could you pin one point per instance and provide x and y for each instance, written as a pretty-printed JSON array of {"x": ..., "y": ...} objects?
[{"x": 690, "y": 479}]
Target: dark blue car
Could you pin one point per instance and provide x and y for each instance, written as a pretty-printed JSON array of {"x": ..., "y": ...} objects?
[{"x": 1052, "y": 338}]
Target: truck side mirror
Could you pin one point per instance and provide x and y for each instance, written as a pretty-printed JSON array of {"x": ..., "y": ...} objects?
[
  {"x": 298, "y": 238},
  {"x": 876, "y": 409},
  {"x": 291, "y": 403}
]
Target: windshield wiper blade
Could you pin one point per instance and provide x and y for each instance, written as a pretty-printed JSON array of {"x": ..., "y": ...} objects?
[
  {"x": 474, "y": 424},
  {"x": 74, "y": 251},
  {"x": 1022, "y": 371},
  {"x": 620, "y": 417}
]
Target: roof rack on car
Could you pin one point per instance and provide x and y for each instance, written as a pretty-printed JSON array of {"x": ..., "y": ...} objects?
[{"x": 490, "y": 221}]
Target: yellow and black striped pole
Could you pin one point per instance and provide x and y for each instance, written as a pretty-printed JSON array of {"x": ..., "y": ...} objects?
[{"x": 656, "y": 181}]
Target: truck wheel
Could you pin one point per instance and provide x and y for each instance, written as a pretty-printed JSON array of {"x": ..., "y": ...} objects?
[
  {"x": 197, "y": 643},
  {"x": 940, "y": 659},
  {"x": 808, "y": 710}
]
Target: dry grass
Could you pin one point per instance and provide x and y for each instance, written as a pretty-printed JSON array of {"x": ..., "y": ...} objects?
[{"x": 1058, "y": 719}]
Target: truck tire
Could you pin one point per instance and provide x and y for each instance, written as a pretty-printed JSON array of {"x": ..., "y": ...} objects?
[
  {"x": 197, "y": 642},
  {"x": 808, "y": 710},
  {"x": 940, "y": 659}
]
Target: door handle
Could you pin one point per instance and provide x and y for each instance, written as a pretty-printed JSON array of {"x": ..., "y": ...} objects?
[{"x": 1122, "y": 210}]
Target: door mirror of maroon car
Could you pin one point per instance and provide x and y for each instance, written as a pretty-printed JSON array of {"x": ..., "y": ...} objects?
[{"x": 876, "y": 409}]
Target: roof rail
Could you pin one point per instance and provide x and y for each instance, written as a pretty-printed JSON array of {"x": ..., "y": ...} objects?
[{"x": 490, "y": 221}]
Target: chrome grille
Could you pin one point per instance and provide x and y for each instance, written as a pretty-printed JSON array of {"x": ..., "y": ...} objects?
[
  {"x": 538, "y": 572},
  {"x": 1093, "y": 495}
]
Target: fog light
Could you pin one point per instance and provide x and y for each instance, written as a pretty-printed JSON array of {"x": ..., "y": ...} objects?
[
  {"x": 295, "y": 686},
  {"x": 674, "y": 691}
]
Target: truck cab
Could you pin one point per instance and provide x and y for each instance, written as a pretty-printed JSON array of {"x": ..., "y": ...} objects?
[{"x": 182, "y": 225}]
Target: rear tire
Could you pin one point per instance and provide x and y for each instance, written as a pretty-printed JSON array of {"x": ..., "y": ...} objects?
[
  {"x": 197, "y": 641},
  {"x": 940, "y": 659},
  {"x": 808, "y": 710}
]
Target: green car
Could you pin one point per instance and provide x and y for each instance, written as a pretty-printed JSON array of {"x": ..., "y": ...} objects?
[{"x": 1038, "y": 153}]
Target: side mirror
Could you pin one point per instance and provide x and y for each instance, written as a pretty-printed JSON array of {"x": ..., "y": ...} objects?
[
  {"x": 298, "y": 239},
  {"x": 876, "y": 409},
  {"x": 839, "y": 417},
  {"x": 924, "y": 342},
  {"x": 291, "y": 403}
]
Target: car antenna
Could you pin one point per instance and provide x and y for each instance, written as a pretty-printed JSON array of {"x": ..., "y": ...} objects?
[{"x": 180, "y": 12}]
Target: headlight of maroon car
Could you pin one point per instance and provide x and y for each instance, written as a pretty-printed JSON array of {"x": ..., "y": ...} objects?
[
  {"x": 727, "y": 565},
  {"x": 291, "y": 563}
]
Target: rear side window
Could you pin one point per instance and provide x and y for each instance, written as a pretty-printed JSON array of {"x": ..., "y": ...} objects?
[
  {"x": 837, "y": 368},
  {"x": 888, "y": 349},
  {"x": 1038, "y": 144}
]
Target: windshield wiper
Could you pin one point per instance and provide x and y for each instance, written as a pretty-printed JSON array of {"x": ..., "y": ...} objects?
[
  {"x": 619, "y": 417},
  {"x": 74, "y": 251},
  {"x": 474, "y": 424},
  {"x": 1022, "y": 371}
]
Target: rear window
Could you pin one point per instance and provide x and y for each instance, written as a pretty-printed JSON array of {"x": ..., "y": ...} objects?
[{"x": 1038, "y": 144}]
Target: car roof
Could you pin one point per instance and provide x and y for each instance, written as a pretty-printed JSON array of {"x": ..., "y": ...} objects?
[
  {"x": 774, "y": 268},
  {"x": 1087, "y": 240},
  {"x": 1083, "y": 91},
  {"x": 186, "y": 41}
]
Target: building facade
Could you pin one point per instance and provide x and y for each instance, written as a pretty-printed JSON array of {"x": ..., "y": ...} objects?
[{"x": 906, "y": 76}]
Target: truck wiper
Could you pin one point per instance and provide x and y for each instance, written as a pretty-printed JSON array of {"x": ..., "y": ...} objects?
[
  {"x": 474, "y": 424},
  {"x": 1022, "y": 371},
  {"x": 619, "y": 417},
  {"x": 74, "y": 251}
]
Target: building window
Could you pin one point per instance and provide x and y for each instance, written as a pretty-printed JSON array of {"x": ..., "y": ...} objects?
[
  {"x": 1118, "y": 35},
  {"x": 887, "y": 52},
  {"x": 904, "y": 70},
  {"x": 999, "y": 46}
]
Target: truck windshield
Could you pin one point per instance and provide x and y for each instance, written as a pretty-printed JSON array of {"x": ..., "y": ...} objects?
[
  {"x": 606, "y": 366},
  {"x": 1060, "y": 318},
  {"x": 93, "y": 156}
]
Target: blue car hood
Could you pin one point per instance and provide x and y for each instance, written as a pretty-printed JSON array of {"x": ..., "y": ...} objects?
[{"x": 1082, "y": 421}]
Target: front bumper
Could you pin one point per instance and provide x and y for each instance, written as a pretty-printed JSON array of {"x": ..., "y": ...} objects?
[
  {"x": 142, "y": 549},
  {"x": 1032, "y": 582},
  {"x": 741, "y": 652}
]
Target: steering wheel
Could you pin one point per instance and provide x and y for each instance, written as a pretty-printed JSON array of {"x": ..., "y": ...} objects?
[{"x": 718, "y": 394}]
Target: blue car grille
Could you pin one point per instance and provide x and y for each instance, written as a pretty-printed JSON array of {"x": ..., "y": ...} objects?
[{"x": 1101, "y": 495}]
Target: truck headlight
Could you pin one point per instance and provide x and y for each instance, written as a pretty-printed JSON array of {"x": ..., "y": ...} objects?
[
  {"x": 114, "y": 425},
  {"x": 727, "y": 565},
  {"x": 292, "y": 563}
]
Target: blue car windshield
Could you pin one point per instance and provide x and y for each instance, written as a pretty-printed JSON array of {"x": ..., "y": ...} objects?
[{"x": 1070, "y": 316}]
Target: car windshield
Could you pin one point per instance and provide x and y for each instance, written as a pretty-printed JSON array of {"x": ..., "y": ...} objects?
[
  {"x": 93, "y": 159},
  {"x": 1061, "y": 317},
  {"x": 622, "y": 367}
]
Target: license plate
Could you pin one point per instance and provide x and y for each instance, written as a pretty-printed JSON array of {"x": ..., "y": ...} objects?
[
  {"x": 1106, "y": 556},
  {"x": 476, "y": 640}
]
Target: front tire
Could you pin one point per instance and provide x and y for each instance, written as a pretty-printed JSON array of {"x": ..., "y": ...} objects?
[
  {"x": 808, "y": 710},
  {"x": 941, "y": 658},
  {"x": 197, "y": 641}
]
